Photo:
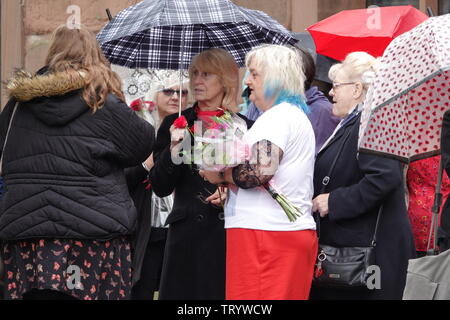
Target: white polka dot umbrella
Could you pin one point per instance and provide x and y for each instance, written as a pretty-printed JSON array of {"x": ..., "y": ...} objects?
[{"x": 410, "y": 93}]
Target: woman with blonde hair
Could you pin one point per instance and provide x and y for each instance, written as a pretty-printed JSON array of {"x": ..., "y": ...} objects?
[
  {"x": 270, "y": 257},
  {"x": 360, "y": 196},
  {"x": 194, "y": 260},
  {"x": 67, "y": 216}
]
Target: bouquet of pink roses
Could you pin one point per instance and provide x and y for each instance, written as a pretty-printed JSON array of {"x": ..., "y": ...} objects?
[{"x": 222, "y": 144}]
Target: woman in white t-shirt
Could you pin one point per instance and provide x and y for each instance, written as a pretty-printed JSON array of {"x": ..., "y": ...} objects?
[{"x": 269, "y": 257}]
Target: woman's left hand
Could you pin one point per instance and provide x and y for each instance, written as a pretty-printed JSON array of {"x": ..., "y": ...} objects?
[
  {"x": 218, "y": 197},
  {"x": 320, "y": 204}
]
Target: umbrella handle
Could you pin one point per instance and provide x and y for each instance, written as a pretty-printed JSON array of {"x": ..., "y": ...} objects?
[
  {"x": 181, "y": 73},
  {"x": 110, "y": 17},
  {"x": 430, "y": 12},
  {"x": 435, "y": 212},
  {"x": 180, "y": 94}
]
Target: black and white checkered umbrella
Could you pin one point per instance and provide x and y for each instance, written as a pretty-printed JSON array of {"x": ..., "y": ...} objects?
[{"x": 166, "y": 34}]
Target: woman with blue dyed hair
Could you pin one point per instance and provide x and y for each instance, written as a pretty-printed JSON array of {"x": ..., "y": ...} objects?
[{"x": 268, "y": 256}]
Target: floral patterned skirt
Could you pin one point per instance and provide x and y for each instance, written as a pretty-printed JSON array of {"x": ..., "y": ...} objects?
[{"x": 85, "y": 269}]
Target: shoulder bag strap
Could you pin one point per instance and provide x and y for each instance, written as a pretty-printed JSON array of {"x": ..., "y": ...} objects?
[
  {"x": 6, "y": 138},
  {"x": 326, "y": 179},
  {"x": 374, "y": 239}
]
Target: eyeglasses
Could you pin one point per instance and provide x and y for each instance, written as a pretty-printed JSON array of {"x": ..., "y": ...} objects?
[
  {"x": 337, "y": 84},
  {"x": 170, "y": 92}
]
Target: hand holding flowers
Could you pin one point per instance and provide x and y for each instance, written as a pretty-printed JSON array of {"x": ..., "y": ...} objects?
[
  {"x": 180, "y": 123},
  {"x": 177, "y": 132}
]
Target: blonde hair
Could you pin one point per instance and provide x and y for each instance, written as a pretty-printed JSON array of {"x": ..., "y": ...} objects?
[
  {"x": 168, "y": 82},
  {"x": 78, "y": 50},
  {"x": 357, "y": 67},
  {"x": 219, "y": 62},
  {"x": 282, "y": 68}
]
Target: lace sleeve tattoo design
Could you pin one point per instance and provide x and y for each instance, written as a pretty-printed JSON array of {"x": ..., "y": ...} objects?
[{"x": 261, "y": 168}]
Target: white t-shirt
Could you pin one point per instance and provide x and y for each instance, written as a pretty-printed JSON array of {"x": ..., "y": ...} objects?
[{"x": 290, "y": 129}]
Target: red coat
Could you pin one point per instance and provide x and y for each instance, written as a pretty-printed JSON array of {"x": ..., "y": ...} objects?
[{"x": 421, "y": 179}]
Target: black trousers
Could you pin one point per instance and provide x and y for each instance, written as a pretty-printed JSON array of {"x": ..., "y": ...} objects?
[{"x": 151, "y": 270}]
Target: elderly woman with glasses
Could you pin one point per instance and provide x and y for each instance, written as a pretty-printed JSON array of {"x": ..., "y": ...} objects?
[
  {"x": 162, "y": 100},
  {"x": 349, "y": 197},
  {"x": 194, "y": 261}
]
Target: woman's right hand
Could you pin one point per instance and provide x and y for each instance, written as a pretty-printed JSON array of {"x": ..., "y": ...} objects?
[
  {"x": 176, "y": 136},
  {"x": 218, "y": 197},
  {"x": 320, "y": 204}
]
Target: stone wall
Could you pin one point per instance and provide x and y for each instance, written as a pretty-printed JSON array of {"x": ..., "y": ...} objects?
[
  {"x": 329, "y": 8},
  {"x": 280, "y": 10},
  {"x": 41, "y": 17}
]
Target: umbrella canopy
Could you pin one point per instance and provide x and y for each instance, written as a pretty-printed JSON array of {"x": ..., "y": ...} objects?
[
  {"x": 166, "y": 34},
  {"x": 370, "y": 30},
  {"x": 410, "y": 93}
]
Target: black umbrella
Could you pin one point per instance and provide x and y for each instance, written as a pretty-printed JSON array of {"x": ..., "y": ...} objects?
[
  {"x": 323, "y": 63},
  {"x": 166, "y": 34}
]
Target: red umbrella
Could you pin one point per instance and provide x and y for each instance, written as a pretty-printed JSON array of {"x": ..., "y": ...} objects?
[{"x": 370, "y": 30}]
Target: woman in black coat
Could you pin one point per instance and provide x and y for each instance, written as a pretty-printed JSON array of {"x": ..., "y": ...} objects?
[
  {"x": 194, "y": 259},
  {"x": 358, "y": 185},
  {"x": 66, "y": 210},
  {"x": 444, "y": 230}
]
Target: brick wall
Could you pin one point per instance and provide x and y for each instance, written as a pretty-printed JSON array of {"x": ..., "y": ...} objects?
[{"x": 41, "y": 17}]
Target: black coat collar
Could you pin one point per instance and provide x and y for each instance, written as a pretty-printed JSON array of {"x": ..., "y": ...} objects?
[{"x": 340, "y": 132}]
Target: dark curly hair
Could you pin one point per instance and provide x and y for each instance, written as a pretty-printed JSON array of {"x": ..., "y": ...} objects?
[{"x": 309, "y": 67}]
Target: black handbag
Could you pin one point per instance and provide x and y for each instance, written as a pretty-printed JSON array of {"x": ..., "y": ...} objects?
[
  {"x": 343, "y": 267},
  {"x": 346, "y": 267}
]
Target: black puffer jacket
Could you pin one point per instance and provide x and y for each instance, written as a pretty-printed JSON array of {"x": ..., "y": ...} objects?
[{"x": 63, "y": 165}]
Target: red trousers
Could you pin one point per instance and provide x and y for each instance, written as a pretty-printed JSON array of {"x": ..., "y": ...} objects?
[{"x": 270, "y": 265}]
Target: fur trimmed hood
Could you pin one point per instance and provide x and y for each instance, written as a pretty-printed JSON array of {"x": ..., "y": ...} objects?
[
  {"x": 25, "y": 87},
  {"x": 53, "y": 98}
]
